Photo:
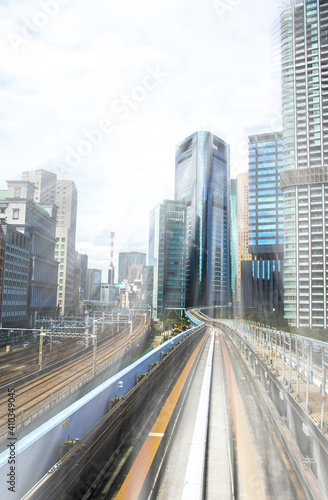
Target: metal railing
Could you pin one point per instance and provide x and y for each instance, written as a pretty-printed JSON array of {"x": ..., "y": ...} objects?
[{"x": 302, "y": 357}]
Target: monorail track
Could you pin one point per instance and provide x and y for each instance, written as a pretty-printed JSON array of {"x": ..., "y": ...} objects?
[{"x": 87, "y": 470}]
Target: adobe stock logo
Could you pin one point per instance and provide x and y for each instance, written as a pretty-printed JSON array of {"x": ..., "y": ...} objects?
[
  {"x": 35, "y": 23},
  {"x": 120, "y": 108}
]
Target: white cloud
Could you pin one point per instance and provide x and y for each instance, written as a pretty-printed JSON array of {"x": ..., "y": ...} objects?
[{"x": 64, "y": 77}]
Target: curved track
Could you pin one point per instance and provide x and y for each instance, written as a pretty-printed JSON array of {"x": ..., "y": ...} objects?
[
  {"x": 32, "y": 395},
  {"x": 24, "y": 361},
  {"x": 122, "y": 426}
]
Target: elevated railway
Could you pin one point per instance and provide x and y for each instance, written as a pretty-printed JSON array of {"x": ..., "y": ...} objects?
[
  {"x": 197, "y": 417},
  {"x": 37, "y": 389}
]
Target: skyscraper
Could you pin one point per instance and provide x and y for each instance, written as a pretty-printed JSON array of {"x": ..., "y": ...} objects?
[
  {"x": 304, "y": 180},
  {"x": 130, "y": 265},
  {"x": 233, "y": 238},
  {"x": 266, "y": 235},
  {"x": 66, "y": 200},
  {"x": 167, "y": 255},
  {"x": 202, "y": 179},
  {"x": 48, "y": 189},
  {"x": 242, "y": 225}
]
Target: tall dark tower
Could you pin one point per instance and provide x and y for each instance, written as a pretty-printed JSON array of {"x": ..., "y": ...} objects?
[{"x": 202, "y": 179}]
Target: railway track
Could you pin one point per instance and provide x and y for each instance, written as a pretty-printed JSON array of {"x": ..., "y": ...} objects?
[
  {"x": 86, "y": 469},
  {"x": 31, "y": 395},
  {"x": 25, "y": 361}
]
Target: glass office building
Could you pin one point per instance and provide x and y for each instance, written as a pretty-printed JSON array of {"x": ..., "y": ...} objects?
[
  {"x": 167, "y": 256},
  {"x": 266, "y": 233},
  {"x": 304, "y": 180},
  {"x": 202, "y": 179},
  {"x": 243, "y": 225}
]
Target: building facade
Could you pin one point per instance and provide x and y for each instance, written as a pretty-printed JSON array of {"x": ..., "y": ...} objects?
[
  {"x": 93, "y": 284},
  {"x": 66, "y": 200},
  {"x": 233, "y": 238},
  {"x": 44, "y": 185},
  {"x": 14, "y": 278},
  {"x": 48, "y": 189},
  {"x": 167, "y": 255},
  {"x": 82, "y": 262},
  {"x": 304, "y": 180},
  {"x": 266, "y": 233},
  {"x": 130, "y": 266},
  {"x": 202, "y": 179},
  {"x": 37, "y": 222},
  {"x": 242, "y": 226}
]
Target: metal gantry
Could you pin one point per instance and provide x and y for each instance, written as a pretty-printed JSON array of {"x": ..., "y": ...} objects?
[{"x": 85, "y": 335}]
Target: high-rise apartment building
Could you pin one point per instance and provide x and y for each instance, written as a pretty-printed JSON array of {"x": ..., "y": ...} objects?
[
  {"x": 242, "y": 226},
  {"x": 202, "y": 179},
  {"x": 266, "y": 234},
  {"x": 48, "y": 189},
  {"x": 233, "y": 238},
  {"x": 167, "y": 255},
  {"x": 304, "y": 180}
]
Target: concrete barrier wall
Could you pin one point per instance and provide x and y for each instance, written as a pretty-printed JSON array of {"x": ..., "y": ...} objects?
[
  {"x": 309, "y": 440},
  {"x": 37, "y": 452}
]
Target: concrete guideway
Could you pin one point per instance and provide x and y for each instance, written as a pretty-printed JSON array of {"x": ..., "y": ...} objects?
[
  {"x": 258, "y": 439},
  {"x": 262, "y": 469},
  {"x": 82, "y": 416},
  {"x": 249, "y": 477},
  {"x": 304, "y": 373},
  {"x": 195, "y": 473},
  {"x": 136, "y": 480},
  {"x": 244, "y": 459},
  {"x": 213, "y": 438},
  {"x": 305, "y": 445},
  {"x": 198, "y": 461}
]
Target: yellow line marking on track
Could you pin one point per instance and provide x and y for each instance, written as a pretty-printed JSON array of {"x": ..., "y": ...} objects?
[{"x": 135, "y": 479}]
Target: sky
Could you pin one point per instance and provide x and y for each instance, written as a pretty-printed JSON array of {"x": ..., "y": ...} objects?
[{"x": 101, "y": 92}]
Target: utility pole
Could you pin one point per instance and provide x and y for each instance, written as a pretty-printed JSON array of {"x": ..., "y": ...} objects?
[
  {"x": 94, "y": 342},
  {"x": 41, "y": 347}
]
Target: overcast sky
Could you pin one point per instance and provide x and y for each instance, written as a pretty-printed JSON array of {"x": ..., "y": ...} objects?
[{"x": 100, "y": 92}]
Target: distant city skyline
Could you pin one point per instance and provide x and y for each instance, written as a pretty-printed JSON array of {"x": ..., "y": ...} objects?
[{"x": 103, "y": 101}]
